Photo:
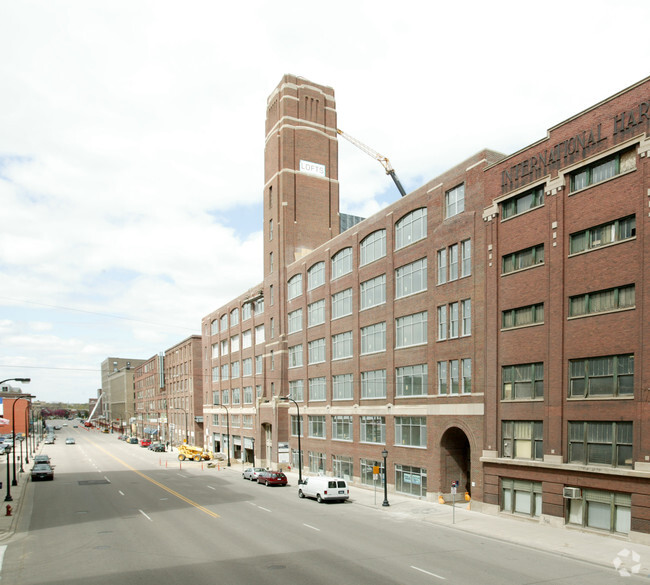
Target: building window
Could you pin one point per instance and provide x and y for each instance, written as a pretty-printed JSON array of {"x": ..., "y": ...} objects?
[
  {"x": 215, "y": 400},
  {"x": 225, "y": 372},
  {"x": 224, "y": 322},
  {"x": 466, "y": 258},
  {"x": 602, "y": 301},
  {"x": 411, "y": 330},
  {"x": 411, "y": 431},
  {"x": 604, "y": 169},
  {"x": 442, "y": 378},
  {"x": 602, "y": 510},
  {"x": 442, "y": 266},
  {"x": 214, "y": 327},
  {"x": 342, "y": 387},
  {"x": 601, "y": 443},
  {"x": 453, "y": 262},
  {"x": 373, "y": 292},
  {"x": 294, "y": 321},
  {"x": 271, "y": 262},
  {"x": 317, "y": 462},
  {"x": 215, "y": 419},
  {"x": 247, "y": 421},
  {"x": 368, "y": 471},
  {"x": 215, "y": 373},
  {"x": 236, "y": 396},
  {"x": 442, "y": 323},
  {"x": 411, "y": 228},
  {"x": 248, "y": 395},
  {"x": 296, "y": 390},
  {"x": 258, "y": 390},
  {"x": 521, "y": 497},
  {"x": 341, "y": 428},
  {"x": 523, "y": 259},
  {"x": 466, "y": 306},
  {"x": 316, "y": 313},
  {"x": 297, "y": 426},
  {"x": 342, "y": 345},
  {"x": 373, "y": 338},
  {"x": 247, "y": 367},
  {"x": 373, "y": 384},
  {"x": 453, "y": 320},
  {"x": 522, "y": 381},
  {"x": 294, "y": 286},
  {"x": 295, "y": 356},
  {"x": 259, "y": 334},
  {"x": 270, "y": 230},
  {"x": 272, "y": 358},
  {"x": 225, "y": 397},
  {"x": 521, "y": 203},
  {"x": 271, "y": 289},
  {"x": 603, "y": 235},
  {"x": 342, "y": 303},
  {"x": 373, "y": 429},
  {"x": 411, "y": 380},
  {"x": 317, "y": 426},
  {"x": 411, "y": 279},
  {"x": 246, "y": 311},
  {"x": 372, "y": 247},
  {"x": 522, "y": 439},
  {"x": 234, "y": 343},
  {"x": 466, "y": 376},
  {"x": 342, "y": 263},
  {"x": 259, "y": 306},
  {"x": 316, "y": 350},
  {"x": 234, "y": 317},
  {"x": 247, "y": 339},
  {"x": 234, "y": 370},
  {"x": 602, "y": 376},
  {"x": 258, "y": 364},
  {"x": 523, "y": 316},
  {"x": 342, "y": 466},
  {"x": 317, "y": 390},
  {"x": 455, "y": 201},
  {"x": 215, "y": 350},
  {"x": 411, "y": 480},
  {"x": 316, "y": 276}
]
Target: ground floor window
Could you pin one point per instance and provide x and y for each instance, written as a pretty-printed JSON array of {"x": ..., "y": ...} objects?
[
  {"x": 342, "y": 466},
  {"x": 317, "y": 462},
  {"x": 609, "y": 511},
  {"x": 521, "y": 497},
  {"x": 367, "y": 472},
  {"x": 295, "y": 460},
  {"x": 410, "y": 480}
]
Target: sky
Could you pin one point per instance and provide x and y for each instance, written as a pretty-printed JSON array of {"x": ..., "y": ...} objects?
[{"x": 132, "y": 140}]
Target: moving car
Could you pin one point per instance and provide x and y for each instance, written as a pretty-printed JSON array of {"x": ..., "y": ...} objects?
[
  {"x": 38, "y": 459},
  {"x": 69, "y": 441},
  {"x": 269, "y": 478},
  {"x": 42, "y": 471},
  {"x": 252, "y": 473},
  {"x": 323, "y": 489},
  {"x": 49, "y": 441}
]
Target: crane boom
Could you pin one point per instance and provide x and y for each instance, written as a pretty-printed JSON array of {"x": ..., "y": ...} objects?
[{"x": 374, "y": 154}]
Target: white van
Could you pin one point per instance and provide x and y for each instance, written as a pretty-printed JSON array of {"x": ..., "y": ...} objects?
[{"x": 324, "y": 488}]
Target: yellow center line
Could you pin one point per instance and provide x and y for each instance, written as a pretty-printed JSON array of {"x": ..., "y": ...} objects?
[{"x": 160, "y": 485}]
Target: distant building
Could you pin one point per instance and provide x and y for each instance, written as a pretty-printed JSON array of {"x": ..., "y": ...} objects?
[{"x": 119, "y": 392}]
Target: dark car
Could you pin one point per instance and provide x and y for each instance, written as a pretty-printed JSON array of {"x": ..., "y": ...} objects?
[
  {"x": 269, "y": 478},
  {"x": 157, "y": 447},
  {"x": 42, "y": 471},
  {"x": 132, "y": 440},
  {"x": 42, "y": 459}
]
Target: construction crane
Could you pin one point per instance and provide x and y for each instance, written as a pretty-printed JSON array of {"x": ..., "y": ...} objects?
[{"x": 374, "y": 154}]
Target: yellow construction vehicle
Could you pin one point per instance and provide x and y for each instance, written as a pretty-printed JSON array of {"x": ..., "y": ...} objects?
[{"x": 194, "y": 453}]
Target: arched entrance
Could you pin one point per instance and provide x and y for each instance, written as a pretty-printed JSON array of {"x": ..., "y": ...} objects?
[{"x": 456, "y": 461}]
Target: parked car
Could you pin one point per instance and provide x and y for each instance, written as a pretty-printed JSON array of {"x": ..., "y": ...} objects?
[
  {"x": 69, "y": 441},
  {"x": 49, "y": 441},
  {"x": 269, "y": 478},
  {"x": 42, "y": 459},
  {"x": 323, "y": 489},
  {"x": 252, "y": 473},
  {"x": 145, "y": 443},
  {"x": 132, "y": 440},
  {"x": 42, "y": 471},
  {"x": 157, "y": 447}
]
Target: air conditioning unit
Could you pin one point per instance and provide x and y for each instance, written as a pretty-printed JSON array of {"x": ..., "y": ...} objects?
[
  {"x": 507, "y": 449},
  {"x": 572, "y": 493}
]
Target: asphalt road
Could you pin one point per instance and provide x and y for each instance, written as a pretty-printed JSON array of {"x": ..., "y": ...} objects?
[{"x": 117, "y": 513}]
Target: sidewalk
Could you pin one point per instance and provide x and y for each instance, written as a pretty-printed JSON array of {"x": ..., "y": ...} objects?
[
  {"x": 8, "y": 523},
  {"x": 601, "y": 549}
]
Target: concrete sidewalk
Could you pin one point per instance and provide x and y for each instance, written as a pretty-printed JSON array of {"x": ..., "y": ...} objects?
[
  {"x": 589, "y": 546},
  {"x": 8, "y": 523}
]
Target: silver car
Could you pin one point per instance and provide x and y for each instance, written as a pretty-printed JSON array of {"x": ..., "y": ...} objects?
[{"x": 252, "y": 473}]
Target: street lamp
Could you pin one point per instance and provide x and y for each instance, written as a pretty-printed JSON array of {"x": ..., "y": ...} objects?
[
  {"x": 227, "y": 429},
  {"x": 8, "y": 497},
  {"x": 286, "y": 399},
  {"x": 384, "y": 454},
  {"x": 13, "y": 432}
]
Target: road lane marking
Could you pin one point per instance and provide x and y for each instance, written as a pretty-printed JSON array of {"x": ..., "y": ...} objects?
[
  {"x": 147, "y": 517},
  {"x": 160, "y": 485},
  {"x": 212, "y": 488},
  {"x": 108, "y": 480},
  {"x": 265, "y": 509},
  {"x": 312, "y": 527},
  {"x": 120, "y": 492},
  {"x": 3, "y": 548},
  {"x": 428, "y": 573}
]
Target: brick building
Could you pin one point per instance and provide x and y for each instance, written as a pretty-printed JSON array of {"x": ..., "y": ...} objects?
[
  {"x": 487, "y": 328},
  {"x": 151, "y": 400}
]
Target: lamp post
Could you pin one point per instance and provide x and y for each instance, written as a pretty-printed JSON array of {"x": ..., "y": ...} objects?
[
  {"x": 13, "y": 432},
  {"x": 8, "y": 497},
  {"x": 27, "y": 412},
  {"x": 384, "y": 454},
  {"x": 227, "y": 429},
  {"x": 286, "y": 399}
]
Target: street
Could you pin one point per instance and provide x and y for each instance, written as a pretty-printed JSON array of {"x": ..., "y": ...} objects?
[{"x": 116, "y": 512}]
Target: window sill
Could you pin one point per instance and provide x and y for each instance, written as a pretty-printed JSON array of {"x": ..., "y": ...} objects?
[
  {"x": 571, "y": 318},
  {"x": 521, "y": 326},
  {"x": 609, "y": 245},
  {"x": 522, "y": 269},
  {"x": 565, "y": 467},
  {"x": 597, "y": 398}
]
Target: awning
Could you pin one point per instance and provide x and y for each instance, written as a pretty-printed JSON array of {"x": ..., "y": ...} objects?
[{"x": 150, "y": 431}]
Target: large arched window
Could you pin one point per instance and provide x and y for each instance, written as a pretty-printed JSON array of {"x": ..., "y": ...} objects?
[
  {"x": 372, "y": 247},
  {"x": 341, "y": 263},
  {"x": 316, "y": 276},
  {"x": 411, "y": 228},
  {"x": 295, "y": 286}
]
